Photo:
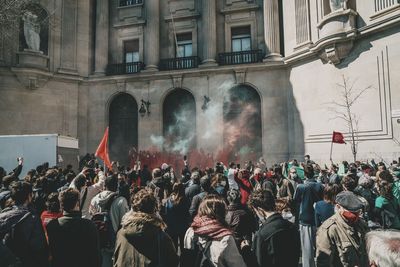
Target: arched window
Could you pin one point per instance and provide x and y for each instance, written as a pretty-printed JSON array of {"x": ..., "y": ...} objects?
[
  {"x": 123, "y": 131},
  {"x": 242, "y": 123},
  {"x": 179, "y": 121}
]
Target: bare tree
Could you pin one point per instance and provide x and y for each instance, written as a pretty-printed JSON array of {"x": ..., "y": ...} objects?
[{"x": 343, "y": 109}]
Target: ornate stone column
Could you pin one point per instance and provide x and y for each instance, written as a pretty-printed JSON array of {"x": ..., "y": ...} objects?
[
  {"x": 271, "y": 30},
  {"x": 209, "y": 20},
  {"x": 102, "y": 28},
  {"x": 152, "y": 35}
]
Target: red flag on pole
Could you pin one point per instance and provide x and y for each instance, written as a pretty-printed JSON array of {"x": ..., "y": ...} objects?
[
  {"x": 102, "y": 150},
  {"x": 338, "y": 138}
]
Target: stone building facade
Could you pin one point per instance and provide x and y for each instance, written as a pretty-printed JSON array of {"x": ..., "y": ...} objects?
[{"x": 163, "y": 72}]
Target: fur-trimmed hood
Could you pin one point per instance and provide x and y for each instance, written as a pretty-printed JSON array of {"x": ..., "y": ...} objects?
[
  {"x": 138, "y": 222},
  {"x": 141, "y": 242}
]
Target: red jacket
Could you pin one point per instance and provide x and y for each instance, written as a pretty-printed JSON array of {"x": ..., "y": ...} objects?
[{"x": 245, "y": 186}]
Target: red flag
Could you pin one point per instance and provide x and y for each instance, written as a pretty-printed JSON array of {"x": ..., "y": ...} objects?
[
  {"x": 338, "y": 138},
  {"x": 102, "y": 150}
]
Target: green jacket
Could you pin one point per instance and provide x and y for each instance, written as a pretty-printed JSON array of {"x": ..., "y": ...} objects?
[{"x": 339, "y": 244}]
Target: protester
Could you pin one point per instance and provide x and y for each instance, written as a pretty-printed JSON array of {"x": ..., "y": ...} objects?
[
  {"x": 205, "y": 188},
  {"x": 284, "y": 186},
  {"x": 210, "y": 235},
  {"x": 73, "y": 240},
  {"x": 177, "y": 215},
  {"x": 21, "y": 230},
  {"x": 305, "y": 196},
  {"x": 87, "y": 191},
  {"x": 386, "y": 205},
  {"x": 277, "y": 242},
  {"x": 109, "y": 206},
  {"x": 53, "y": 210},
  {"x": 341, "y": 238},
  {"x": 142, "y": 241},
  {"x": 144, "y": 237},
  {"x": 231, "y": 176},
  {"x": 325, "y": 208},
  {"x": 239, "y": 218},
  {"x": 194, "y": 187}
]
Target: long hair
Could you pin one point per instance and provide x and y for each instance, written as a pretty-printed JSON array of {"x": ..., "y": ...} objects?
[
  {"x": 178, "y": 193},
  {"x": 213, "y": 207}
]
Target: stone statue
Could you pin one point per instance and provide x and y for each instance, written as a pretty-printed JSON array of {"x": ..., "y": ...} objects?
[
  {"x": 338, "y": 5},
  {"x": 32, "y": 31}
]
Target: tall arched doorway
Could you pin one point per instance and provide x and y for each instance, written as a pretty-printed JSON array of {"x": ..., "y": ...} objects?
[
  {"x": 123, "y": 131},
  {"x": 242, "y": 123},
  {"x": 179, "y": 121}
]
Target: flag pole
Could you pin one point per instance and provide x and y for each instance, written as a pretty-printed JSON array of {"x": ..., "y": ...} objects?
[{"x": 330, "y": 157}]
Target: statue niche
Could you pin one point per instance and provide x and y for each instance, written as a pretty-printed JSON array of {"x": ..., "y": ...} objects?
[
  {"x": 31, "y": 31},
  {"x": 336, "y": 5},
  {"x": 34, "y": 29}
]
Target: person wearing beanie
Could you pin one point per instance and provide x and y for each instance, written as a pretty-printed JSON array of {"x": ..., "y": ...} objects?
[{"x": 341, "y": 238}]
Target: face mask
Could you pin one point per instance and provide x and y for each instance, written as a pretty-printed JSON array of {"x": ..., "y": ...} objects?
[
  {"x": 287, "y": 215},
  {"x": 350, "y": 217}
]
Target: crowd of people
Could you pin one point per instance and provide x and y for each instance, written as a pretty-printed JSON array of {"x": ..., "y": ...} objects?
[{"x": 291, "y": 214}]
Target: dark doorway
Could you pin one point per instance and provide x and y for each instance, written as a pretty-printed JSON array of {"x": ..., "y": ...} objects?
[
  {"x": 123, "y": 123},
  {"x": 179, "y": 121},
  {"x": 242, "y": 123}
]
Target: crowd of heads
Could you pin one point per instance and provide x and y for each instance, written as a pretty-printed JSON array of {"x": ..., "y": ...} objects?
[{"x": 259, "y": 188}]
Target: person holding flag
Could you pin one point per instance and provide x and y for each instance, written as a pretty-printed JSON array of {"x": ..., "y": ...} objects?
[
  {"x": 337, "y": 138},
  {"x": 102, "y": 150}
]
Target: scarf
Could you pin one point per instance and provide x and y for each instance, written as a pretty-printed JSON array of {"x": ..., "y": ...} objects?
[{"x": 209, "y": 228}]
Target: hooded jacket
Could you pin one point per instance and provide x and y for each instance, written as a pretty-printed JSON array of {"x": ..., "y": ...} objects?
[
  {"x": 142, "y": 242},
  {"x": 117, "y": 206}
]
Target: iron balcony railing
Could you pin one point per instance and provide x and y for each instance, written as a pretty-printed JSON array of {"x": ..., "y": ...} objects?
[
  {"x": 242, "y": 57},
  {"x": 125, "y": 68},
  {"x": 179, "y": 63},
  {"x": 130, "y": 2}
]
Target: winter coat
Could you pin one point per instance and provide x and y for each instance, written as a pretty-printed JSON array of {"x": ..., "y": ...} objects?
[
  {"x": 142, "y": 242},
  {"x": 241, "y": 222},
  {"x": 29, "y": 243},
  {"x": 276, "y": 243},
  {"x": 339, "y": 244},
  {"x": 192, "y": 190},
  {"x": 117, "y": 208},
  {"x": 73, "y": 241},
  {"x": 177, "y": 216},
  {"x": 221, "y": 253},
  {"x": 194, "y": 206}
]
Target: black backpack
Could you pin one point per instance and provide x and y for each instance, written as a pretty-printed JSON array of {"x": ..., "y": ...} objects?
[
  {"x": 7, "y": 245},
  {"x": 102, "y": 221},
  {"x": 202, "y": 260}
]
